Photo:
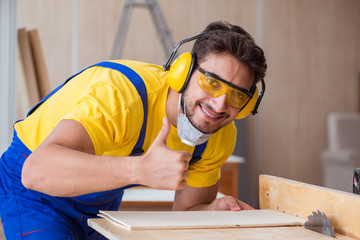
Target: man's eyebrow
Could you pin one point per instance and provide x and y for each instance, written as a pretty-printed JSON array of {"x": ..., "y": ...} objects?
[{"x": 215, "y": 75}]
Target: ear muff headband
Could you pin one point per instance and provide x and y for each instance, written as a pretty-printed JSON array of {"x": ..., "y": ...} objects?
[
  {"x": 174, "y": 51},
  {"x": 179, "y": 72}
]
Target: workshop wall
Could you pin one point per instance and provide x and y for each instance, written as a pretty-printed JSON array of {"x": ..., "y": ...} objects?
[
  {"x": 313, "y": 52},
  {"x": 312, "y": 49}
]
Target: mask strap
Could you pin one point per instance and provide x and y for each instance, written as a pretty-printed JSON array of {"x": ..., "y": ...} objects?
[
  {"x": 179, "y": 104},
  {"x": 185, "y": 101}
]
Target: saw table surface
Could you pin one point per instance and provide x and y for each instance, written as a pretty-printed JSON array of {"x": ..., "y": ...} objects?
[{"x": 114, "y": 232}]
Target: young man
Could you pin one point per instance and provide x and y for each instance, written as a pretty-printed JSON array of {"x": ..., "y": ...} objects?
[{"x": 123, "y": 123}]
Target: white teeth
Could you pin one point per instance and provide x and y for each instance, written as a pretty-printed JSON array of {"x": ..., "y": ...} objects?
[{"x": 209, "y": 113}]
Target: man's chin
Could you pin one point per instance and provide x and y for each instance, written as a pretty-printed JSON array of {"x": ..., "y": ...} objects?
[
  {"x": 207, "y": 128},
  {"x": 204, "y": 125}
]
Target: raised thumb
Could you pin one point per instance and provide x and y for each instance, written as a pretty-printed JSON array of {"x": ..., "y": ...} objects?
[{"x": 164, "y": 131}]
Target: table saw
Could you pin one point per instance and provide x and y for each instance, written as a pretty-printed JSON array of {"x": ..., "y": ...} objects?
[{"x": 279, "y": 194}]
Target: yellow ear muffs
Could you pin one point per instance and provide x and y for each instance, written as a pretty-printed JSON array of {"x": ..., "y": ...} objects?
[
  {"x": 249, "y": 106},
  {"x": 180, "y": 71}
]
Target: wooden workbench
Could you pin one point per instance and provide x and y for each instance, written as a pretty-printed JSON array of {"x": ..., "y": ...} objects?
[{"x": 291, "y": 197}]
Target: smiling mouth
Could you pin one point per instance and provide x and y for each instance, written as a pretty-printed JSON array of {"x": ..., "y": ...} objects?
[{"x": 209, "y": 114}]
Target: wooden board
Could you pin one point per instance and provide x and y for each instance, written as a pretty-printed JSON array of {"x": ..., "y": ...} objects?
[
  {"x": 142, "y": 220},
  {"x": 28, "y": 66},
  {"x": 22, "y": 95},
  {"x": 301, "y": 199},
  {"x": 113, "y": 232},
  {"x": 39, "y": 63}
]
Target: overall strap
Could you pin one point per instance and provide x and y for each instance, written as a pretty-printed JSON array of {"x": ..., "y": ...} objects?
[
  {"x": 139, "y": 84},
  {"x": 198, "y": 151}
]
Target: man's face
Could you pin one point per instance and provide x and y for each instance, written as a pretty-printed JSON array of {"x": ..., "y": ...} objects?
[{"x": 209, "y": 114}]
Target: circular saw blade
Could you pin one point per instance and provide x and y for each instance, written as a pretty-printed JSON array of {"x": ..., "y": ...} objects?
[{"x": 320, "y": 223}]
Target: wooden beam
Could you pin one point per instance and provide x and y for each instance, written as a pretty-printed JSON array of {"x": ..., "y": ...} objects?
[
  {"x": 28, "y": 65},
  {"x": 22, "y": 94},
  {"x": 39, "y": 63},
  {"x": 301, "y": 199}
]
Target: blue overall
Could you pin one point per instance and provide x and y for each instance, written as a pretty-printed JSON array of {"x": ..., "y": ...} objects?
[{"x": 28, "y": 214}]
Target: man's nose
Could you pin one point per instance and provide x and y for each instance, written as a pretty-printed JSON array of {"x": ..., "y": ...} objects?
[{"x": 219, "y": 103}]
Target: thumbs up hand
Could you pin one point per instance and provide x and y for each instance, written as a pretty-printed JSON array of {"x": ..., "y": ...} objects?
[{"x": 162, "y": 167}]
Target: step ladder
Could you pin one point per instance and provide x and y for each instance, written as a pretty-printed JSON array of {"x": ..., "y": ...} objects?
[{"x": 158, "y": 20}]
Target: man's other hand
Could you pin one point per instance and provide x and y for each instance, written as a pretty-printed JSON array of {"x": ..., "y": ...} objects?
[{"x": 229, "y": 203}]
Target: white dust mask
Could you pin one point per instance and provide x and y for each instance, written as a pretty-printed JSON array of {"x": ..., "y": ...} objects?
[{"x": 186, "y": 131}]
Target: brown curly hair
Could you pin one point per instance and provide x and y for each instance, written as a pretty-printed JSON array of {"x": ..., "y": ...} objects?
[{"x": 223, "y": 37}]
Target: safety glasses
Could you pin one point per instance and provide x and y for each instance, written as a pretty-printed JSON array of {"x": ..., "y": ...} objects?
[{"x": 215, "y": 87}]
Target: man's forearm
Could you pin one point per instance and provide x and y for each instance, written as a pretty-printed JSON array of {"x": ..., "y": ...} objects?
[
  {"x": 66, "y": 165},
  {"x": 60, "y": 171}
]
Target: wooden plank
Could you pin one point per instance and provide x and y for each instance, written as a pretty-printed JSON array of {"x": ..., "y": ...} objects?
[
  {"x": 143, "y": 220},
  {"x": 22, "y": 95},
  {"x": 113, "y": 232},
  {"x": 39, "y": 63},
  {"x": 301, "y": 199},
  {"x": 29, "y": 71}
]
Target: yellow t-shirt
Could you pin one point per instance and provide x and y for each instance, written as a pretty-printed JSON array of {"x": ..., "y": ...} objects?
[{"x": 108, "y": 105}]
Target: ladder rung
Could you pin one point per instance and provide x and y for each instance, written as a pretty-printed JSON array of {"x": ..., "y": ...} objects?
[
  {"x": 138, "y": 4},
  {"x": 135, "y": 4}
]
